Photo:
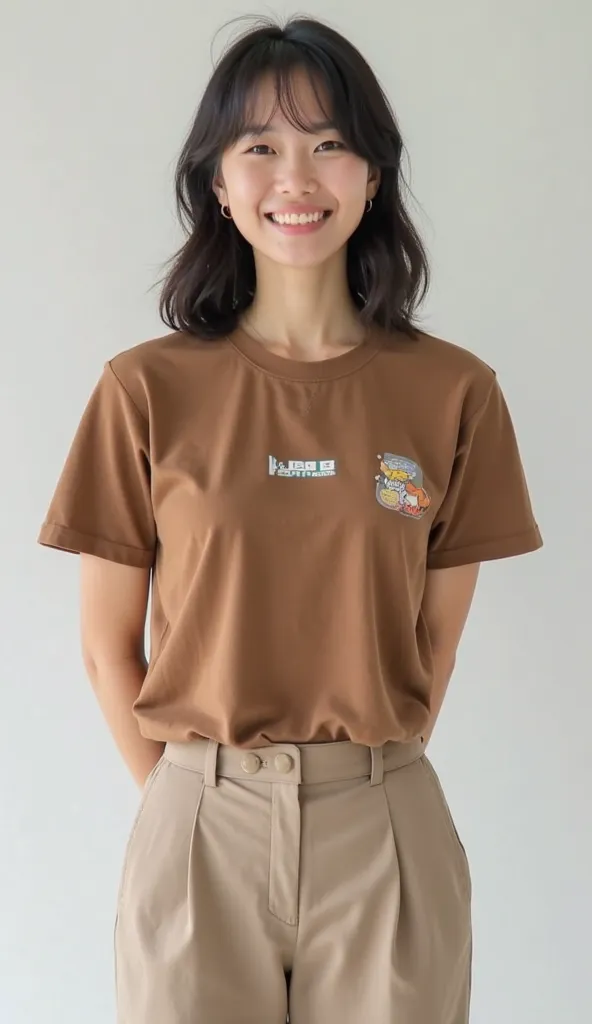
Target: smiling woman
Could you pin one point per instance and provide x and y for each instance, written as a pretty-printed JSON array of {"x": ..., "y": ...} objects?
[{"x": 309, "y": 483}]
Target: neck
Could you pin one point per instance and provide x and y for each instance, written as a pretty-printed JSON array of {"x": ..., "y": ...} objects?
[{"x": 303, "y": 313}]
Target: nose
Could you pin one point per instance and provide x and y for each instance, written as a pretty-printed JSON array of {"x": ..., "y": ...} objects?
[{"x": 295, "y": 176}]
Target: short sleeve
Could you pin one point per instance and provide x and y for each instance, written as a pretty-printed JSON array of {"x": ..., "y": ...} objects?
[
  {"x": 486, "y": 512},
  {"x": 102, "y": 503}
]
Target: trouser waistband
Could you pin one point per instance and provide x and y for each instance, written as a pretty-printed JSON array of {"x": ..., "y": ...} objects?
[{"x": 301, "y": 763}]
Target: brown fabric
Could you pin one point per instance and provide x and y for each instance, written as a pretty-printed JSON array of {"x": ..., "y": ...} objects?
[
  {"x": 341, "y": 867},
  {"x": 286, "y": 598}
]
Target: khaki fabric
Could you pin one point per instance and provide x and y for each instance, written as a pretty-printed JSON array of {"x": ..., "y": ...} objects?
[
  {"x": 336, "y": 863},
  {"x": 289, "y": 511}
]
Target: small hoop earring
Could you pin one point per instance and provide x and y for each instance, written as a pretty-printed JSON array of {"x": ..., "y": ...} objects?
[
  {"x": 369, "y": 207},
  {"x": 227, "y": 216}
]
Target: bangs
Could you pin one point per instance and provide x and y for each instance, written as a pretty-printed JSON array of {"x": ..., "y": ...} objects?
[{"x": 241, "y": 115}]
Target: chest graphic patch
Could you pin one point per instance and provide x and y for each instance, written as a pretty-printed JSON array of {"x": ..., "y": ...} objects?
[{"x": 399, "y": 486}]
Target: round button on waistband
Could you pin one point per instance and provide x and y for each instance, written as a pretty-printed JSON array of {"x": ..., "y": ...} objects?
[
  {"x": 283, "y": 763},
  {"x": 251, "y": 763}
]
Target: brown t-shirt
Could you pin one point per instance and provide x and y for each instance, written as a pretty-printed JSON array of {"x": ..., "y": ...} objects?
[{"x": 289, "y": 511}]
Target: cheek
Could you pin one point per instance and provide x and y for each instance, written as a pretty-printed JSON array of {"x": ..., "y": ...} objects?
[
  {"x": 249, "y": 187},
  {"x": 346, "y": 179}
]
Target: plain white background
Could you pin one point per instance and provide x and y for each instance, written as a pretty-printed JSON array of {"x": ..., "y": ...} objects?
[{"x": 494, "y": 100}]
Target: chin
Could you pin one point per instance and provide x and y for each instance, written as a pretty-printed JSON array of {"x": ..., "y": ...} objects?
[{"x": 303, "y": 256}]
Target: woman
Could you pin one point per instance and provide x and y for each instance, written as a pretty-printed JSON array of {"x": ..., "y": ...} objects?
[{"x": 309, "y": 482}]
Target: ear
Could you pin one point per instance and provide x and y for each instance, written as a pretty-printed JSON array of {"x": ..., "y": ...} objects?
[
  {"x": 219, "y": 190},
  {"x": 374, "y": 178}
]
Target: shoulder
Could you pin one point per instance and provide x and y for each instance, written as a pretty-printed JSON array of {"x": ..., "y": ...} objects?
[
  {"x": 155, "y": 352},
  {"x": 440, "y": 369},
  {"x": 157, "y": 364}
]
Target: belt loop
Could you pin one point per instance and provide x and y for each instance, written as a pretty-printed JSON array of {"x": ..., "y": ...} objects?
[
  {"x": 377, "y": 766},
  {"x": 210, "y": 763}
]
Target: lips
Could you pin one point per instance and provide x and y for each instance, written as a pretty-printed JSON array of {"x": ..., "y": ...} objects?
[
  {"x": 289, "y": 213},
  {"x": 298, "y": 208}
]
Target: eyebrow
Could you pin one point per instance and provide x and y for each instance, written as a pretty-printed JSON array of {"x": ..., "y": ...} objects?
[{"x": 260, "y": 129}]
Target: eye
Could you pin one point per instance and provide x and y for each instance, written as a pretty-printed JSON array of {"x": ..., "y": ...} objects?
[
  {"x": 333, "y": 142},
  {"x": 329, "y": 142}
]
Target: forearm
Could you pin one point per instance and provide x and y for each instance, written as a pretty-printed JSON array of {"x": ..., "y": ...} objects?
[
  {"x": 443, "y": 668},
  {"x": 445, "y": 606},
  {"x": 116, "y": 685}
]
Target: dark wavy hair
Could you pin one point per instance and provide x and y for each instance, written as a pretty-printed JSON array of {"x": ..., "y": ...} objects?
[{"x": 212, "y": 279}]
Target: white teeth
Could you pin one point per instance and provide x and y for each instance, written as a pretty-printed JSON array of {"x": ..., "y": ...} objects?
[{"x": 295, "y": 218}]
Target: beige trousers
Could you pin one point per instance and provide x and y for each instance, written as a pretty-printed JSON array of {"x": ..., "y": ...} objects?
[{"x": 335, "y": 865}]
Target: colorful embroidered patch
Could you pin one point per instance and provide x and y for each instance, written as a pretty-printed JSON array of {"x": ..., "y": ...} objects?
[{"x": 399, "y": 486}]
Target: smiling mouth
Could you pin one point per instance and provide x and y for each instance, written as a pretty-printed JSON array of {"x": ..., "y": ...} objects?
[{"x": 289, "y": 223}]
